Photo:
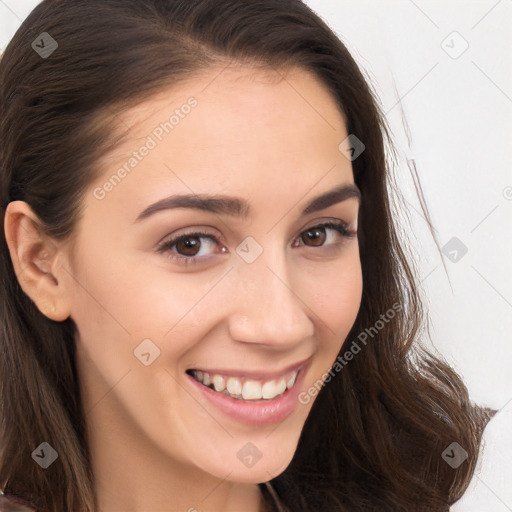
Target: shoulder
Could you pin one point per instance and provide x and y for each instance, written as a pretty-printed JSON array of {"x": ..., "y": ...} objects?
[{"x": 490, "y": 487}]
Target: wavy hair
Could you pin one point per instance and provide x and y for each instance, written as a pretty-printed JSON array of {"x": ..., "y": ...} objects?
[{"x": 374, "y": 437}]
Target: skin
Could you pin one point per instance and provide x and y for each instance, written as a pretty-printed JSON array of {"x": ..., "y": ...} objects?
[{"x": 156, "y": 443}]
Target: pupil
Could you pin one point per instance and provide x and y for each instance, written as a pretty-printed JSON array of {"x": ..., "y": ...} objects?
[
  {"x": 315, "y": 238},
  {"x": 189, "y": 246}
]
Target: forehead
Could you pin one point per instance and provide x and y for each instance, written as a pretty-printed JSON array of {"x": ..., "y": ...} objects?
[
  {"x": 229, "y": 128},
  {"x": 265, "y": 91}
]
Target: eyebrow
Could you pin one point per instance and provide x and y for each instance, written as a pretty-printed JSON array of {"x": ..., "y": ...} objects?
[{"x": 238, "y": 207}]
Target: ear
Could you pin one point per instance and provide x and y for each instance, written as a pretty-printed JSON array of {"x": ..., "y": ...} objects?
[{"x": 36, "y": 260}]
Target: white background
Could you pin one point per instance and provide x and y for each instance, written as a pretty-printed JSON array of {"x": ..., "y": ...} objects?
[
  {"x": 457, "y": 105},
  {"x": 459, "y": 113}
]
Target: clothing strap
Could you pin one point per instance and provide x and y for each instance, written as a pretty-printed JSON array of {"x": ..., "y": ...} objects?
[{"x": 12, "y": 503}]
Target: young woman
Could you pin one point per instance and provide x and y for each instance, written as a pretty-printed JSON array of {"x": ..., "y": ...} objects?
[{"x": 205, "y": 303}]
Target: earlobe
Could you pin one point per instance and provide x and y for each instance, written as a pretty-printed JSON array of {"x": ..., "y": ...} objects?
[{"x": 35, "y": 259}]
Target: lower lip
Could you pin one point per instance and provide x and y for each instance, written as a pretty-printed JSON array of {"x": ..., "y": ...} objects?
[{"x": 255, "y": 413}]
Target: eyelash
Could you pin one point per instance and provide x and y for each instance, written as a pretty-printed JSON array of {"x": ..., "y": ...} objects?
[{"x": 340, "y": 227}]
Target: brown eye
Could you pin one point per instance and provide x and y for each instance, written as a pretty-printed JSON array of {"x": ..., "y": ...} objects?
[
  {"x": 186, "y": 249},
  {"x": 315, "y": 235},
  {"x": 188, "y": 246}
]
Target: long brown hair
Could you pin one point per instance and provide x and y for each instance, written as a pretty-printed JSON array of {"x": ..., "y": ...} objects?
[{"x": 376, "y": 433}]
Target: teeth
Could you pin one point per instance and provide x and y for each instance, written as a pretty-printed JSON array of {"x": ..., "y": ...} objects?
[
  {"x": 234, "y": 386},
  {"x": 272, "y": 389},
  {"x": 218, "y": 382},
  {"x": 291, "y": 382},
  {"x": 250, "y": 389}
]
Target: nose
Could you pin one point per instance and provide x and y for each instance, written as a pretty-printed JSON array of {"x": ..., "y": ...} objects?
[{"x": 267, "y": 309}]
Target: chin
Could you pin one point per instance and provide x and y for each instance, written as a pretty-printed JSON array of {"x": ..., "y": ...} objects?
[{"x": 261, "y": 471}]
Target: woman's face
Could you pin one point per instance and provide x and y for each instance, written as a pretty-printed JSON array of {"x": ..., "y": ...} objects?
[{"x": 256, "y": 294}]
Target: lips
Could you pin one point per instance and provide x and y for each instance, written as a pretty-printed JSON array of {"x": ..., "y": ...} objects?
[{"x": 254, "y": 412}]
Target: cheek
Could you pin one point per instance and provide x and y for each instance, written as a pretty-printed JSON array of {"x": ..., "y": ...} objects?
[
  {"x": 337, "y": 296},
  {"x": 337, "y": 305},
  {"x": 119, "y": 307},
  {"x": 126, "y": 294}
]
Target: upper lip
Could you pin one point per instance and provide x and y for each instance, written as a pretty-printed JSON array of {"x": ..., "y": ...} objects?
[{"x": 254, "y": 374}]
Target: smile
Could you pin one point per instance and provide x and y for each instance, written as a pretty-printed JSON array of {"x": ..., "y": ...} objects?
[
  {"x": 244, "y": 388},
  {"x": 253, "y": 398}
]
